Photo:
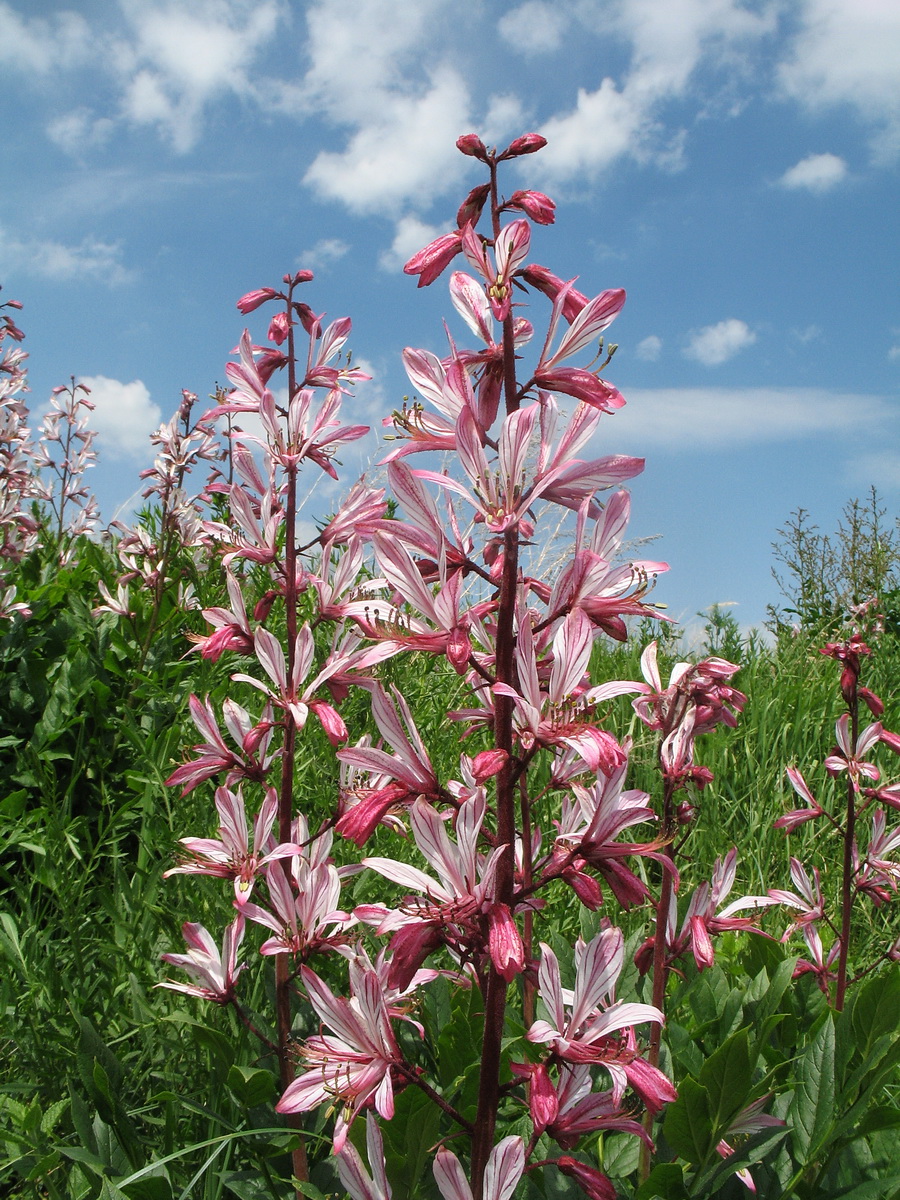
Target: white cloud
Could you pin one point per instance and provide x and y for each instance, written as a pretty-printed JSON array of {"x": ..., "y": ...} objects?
[
  {"x": 816, "y": 173},
  {"x": 90, "y": 259},
  {"x": 321, "y": 255},
  {"x": 40, "y": 46},
  {"x": 880, "y": 469},
  {"x": 669, "y": 40},
  {"x": 385, "y": 77},
  {"x": 716, "y": 418},
  {"x": 894, "y": 353},
  {"x": 649, "y": 349},
  {"x": 810, "y": 333},
  {"x": 605, "y": 125},
  {"x": 847, "y": 53},
  {"x": 410, "y": 236},
  {"x": 179, "y": 60},
  {"x": 405, "y": 152},
  {"x": 124, "y": 416},
  {"x": 715, "y": 344},
  {"x": 78, "y": 131},
  {"x": 505, "y": 119},
  {"x": 533, "y": 28}
]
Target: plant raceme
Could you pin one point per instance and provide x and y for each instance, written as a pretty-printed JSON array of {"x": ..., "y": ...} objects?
[{"x": 537, "y": 807}]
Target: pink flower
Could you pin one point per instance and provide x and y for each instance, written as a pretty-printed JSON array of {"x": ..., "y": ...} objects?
[
  {"x": 230, "y": 856},
  {"x": 502, "y": 1173},
  {"x": 472, "y": 145},
  {"x": 215, "y": 973},
  {"x": 528, "y": 143},
  {"x": 354, "y": 1176},
  {"x": 350, "y": 1067},
  {"x": 592, "y": 1182},
  {"x": 586, "y": 1033},
  {"x": 536, "y": 205},
  {"x": 799, "y": 816}
]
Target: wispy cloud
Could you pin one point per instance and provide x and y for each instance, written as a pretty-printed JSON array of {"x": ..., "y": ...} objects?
[
  {"x": 410, "y": 235},
  {"x": 649, "y": 349},
  {"x": 847, "y": 54},
  {"x": 321, "y": 255},
  {"x": 718, "y": 418},
  {"x": 535, "y": 27},
  {"x": 816, "y": 173},
  {"x": 38, "y": 45},
  {"x": 49, "y": 259},
  {"x": 715, "y": 344}
]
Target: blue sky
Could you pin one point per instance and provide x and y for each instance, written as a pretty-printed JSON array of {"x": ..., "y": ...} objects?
[{"x": 733, "y": 166}]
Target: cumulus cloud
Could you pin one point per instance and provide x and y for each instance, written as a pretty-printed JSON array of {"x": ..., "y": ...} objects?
[
  {"x": 124, "y": 416},
  {"x": 717, "y": 418},
  {"x": 847, "y": 54},
  {"x": 669, "y": 40},
  {"x": 715, "y": 344},
  {"x": 321, "y": 255},
  {"x": 39, "y": 45},
  {"x": 533, "y": 28},
  {"x": 816, "y": 173},
  {"x": 404, "y": 152},
  {"x": 177, "y": 61},
  {"x": 410, "y": 235},
  {"x": 90, "y": 259},
  {"x": 649, "y": 349}
]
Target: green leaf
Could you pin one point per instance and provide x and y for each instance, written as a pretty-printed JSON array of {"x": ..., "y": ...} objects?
[
  {"x": 251, "y": 1085},
  {"x": 408, "y": 1139},
  {"x": 688, "y": 1127},
  {"x": 727, "y": 1077},
  {"x": 813, "y": 1106},
  {"x": 665, "y": 1182}
]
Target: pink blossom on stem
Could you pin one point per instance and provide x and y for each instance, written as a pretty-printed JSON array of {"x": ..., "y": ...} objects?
[
  {"x": 230, "y": 856},
  {"x": 587, "y": 1033},
  {"x": 352, "y": 1066},
  {"x": 354, "y": 1176},
  {"x": 504, "y": 1169},
  {"x": 215, "y": 972},
  {"x": 799, "y": 816}
]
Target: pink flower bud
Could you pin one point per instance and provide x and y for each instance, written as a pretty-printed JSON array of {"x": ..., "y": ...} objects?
[
  {"x": 472, "y": 145},
  {"x": 433, "y": 258},
  {"x": 298, "y": 277},
  {"x": 471, "y": 207},
  {"x": 278, "y": 328},
  {"x": 504, "y": 943},
  {"x": 528, "y": 143},
  {"x": 591, "y": 1181},
  {"x": 253, "y": 300},
  {"x": 536, "y": 205},
  {"x": 488, "y": 763},
  {"x": 543, "y": 1102}
]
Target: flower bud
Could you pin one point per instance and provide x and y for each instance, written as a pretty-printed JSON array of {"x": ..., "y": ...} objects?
[
  {"x": 253, "y": 300},
  {"x": 472, "y": 145},
  {"x": 536, "y": 205},
  {"x": 589, "y": 1179},
  {"x": 471, "y": 207},
  {"x": 528, "y": 143}
]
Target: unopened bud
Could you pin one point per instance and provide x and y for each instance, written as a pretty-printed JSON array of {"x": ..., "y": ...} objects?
[
  {"x": 472, "y": 145},
  {"x": 528, "y": 143}
]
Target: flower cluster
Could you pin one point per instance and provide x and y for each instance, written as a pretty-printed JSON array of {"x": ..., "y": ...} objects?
[
  {"x": 539, "y": 801},
  {"x": 858, "y": 819}
]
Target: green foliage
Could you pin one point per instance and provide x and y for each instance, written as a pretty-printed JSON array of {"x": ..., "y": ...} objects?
[{"x": 111, "y": 1089}]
